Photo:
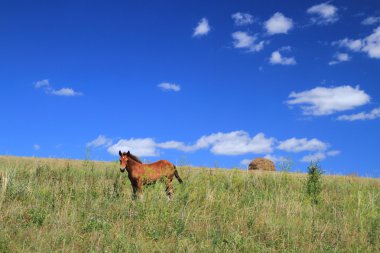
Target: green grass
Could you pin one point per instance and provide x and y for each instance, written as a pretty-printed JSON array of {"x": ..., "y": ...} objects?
[{"x": 51, "y": 205}]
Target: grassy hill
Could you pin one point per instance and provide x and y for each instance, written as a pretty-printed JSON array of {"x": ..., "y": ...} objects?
[{"x": 83, "y": 206}]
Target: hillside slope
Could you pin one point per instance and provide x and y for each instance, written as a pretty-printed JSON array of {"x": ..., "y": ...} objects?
[{"x": 81, "y": 206}]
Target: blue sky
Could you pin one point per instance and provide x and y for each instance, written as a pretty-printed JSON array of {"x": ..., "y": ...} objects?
[{"x": 207, "y": 83}]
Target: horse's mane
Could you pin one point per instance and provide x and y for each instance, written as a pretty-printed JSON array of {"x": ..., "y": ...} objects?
[{"x": 133, "y": 157}]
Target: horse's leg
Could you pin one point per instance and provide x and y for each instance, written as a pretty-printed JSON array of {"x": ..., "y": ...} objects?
[
  {"x": 139, "y": 188},
  {"x": 169, "y": 188},
  {"x": 135, "y": 189}
]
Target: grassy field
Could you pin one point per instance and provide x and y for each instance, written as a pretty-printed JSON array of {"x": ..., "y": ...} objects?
[{"x": 51, "y": 205}]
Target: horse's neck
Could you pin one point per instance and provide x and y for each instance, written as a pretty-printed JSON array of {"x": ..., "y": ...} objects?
[{"x": 131, "y": 164}]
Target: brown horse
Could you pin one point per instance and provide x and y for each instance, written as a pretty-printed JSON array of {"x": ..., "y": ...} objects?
[{"x": 140, "y": 174}]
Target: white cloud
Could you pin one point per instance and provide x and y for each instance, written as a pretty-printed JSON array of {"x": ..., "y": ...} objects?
[
  {"x": 285, "y": 48},
  {"x": 319, "y": 156},
  {"x": 339, "y": 57},
  {"x": 139, "y": 147},
  {"x": 325, "y": 101},
  {"x": 342, "y": 57},
  {"x": 369, "y": 44},
  {"x": 299, "y": 145},
  {"x": 275, "y": 159},
  {"x": 244, "y": 40},
  {"x": 169, "y": 87},
  {"x": 66, "y": 92},
  {"x": 177, "y": 145},
  {"x": 354, "y": 45},
  {"x": 242, "y": 18},
  {"x": 278, "y": 23},
  {"x": 202, "y": 28},
  {"x": 236, "y": 143},
  {"x": 314, "y": 157},
  {"x": 375, "y": 113},
  {"x": 371, "y": 21},
  {"x": 277, "y": 58},
  {"x": 232, "y": 143},
  {"x": 333, "y": 152},
  {"x": 36, "y": 147},
  {"x": 42, "y": 83},
  {"x": 100, "y": 141},
  {"x": 46, "y": 86},
  {"x": 245, "y": 162},
  {"x": 372, "y": 44},
  {"x": 323, "y": 14}
]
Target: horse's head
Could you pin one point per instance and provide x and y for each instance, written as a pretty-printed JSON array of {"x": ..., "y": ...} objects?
[{"x": 123, "y": 160}]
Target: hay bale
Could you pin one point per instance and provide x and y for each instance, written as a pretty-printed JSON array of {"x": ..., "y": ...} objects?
[{"x": 262, "y": 164}]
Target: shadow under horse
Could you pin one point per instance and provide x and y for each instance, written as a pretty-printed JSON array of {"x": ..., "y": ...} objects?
[{"x": 140, "y": 174}]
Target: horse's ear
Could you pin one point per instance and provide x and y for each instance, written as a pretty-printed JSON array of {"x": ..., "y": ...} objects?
[
  {"x": 120, "y": 153},
  {"x": 129, "y": 152}
]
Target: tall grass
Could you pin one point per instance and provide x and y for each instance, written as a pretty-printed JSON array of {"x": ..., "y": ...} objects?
[{"x": 73, "y": 206}]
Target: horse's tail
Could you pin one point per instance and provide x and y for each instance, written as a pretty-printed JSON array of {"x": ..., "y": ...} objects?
[{"x": 176, "y": 175}]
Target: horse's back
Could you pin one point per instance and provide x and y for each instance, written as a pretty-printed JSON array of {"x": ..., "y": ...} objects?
[{"x": 161, "y": 163}]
